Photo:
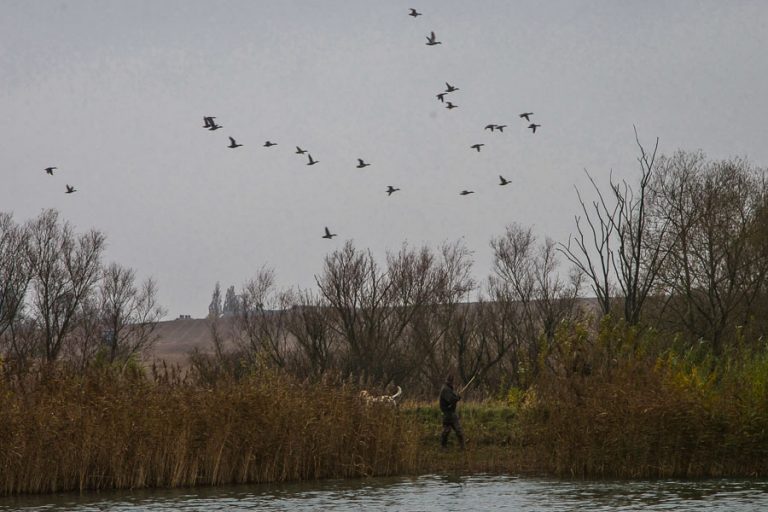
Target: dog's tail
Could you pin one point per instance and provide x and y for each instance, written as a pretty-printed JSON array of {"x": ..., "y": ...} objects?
[{"x": 397, "y": 395}]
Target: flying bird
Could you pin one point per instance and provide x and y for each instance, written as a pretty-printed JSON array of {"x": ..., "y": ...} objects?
[
  {"x": 533, "y": 127},
  {"x": 490, "y": 127},
  {"x": 50, "y": 170},
  {"x": 450, "y": 105},
  {"x": 233, "y": 144},
  {"x": 466, "y": 192},
  {"x": 501, "y": 127},
  {"x": 300, "y": 151},
  {"x": 361, "y": 163},
  {"x": 213, "y": 126},
  {"x": 208, "y": 121},
  {"x": 441, "y": 97},
  {"x": 431, "y": 39},
  {"x": 450, "y": 88},
  {"x": 311, "y": 161},
  {"x": 328, "y": 234},
  {"x": 503, "y": 181},
  {"x": 477, "y": 146},
  {"x": 526, "y": 116},
  {"x": 269, "y": 144},
  {"x": 414, "y": 13},
  {"x": 70, "y": 189},
  {"x": 391, "y": 189}
]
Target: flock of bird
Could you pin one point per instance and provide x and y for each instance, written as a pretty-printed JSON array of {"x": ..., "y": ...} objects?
[
  {"x": 210, "y": 124},
  {"x": 70, "y": 189}
]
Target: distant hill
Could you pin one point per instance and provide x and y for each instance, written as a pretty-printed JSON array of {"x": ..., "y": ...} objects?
[{"x": 177, "y": 338}]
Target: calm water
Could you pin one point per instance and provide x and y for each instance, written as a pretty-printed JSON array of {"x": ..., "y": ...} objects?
[{"x": 429, "y": 493}]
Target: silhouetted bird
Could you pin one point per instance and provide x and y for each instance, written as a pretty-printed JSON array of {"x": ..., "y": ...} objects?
[
  {"x": 526, "y": 115},
  {"x": 477, "y": 146},
  {"x": 300, "y": 151},
  {"x": 503, "y": 181},
  {"x": 414, "y": 13},
  {"x": 490, "y": 127},
  {"x": 70, "y": 189},
  {"x": 441, "y": 97},
  {"x": 450, "y": 88},
  {"x": 50, "y": 170},
  {"x": 269, "y": 144},
  {"x": 431, "y": 40},
  {"x": 208, "y": 121},
  {"x": 311, "y": 161},
  {"x": 233, "y": 144},
  {"x": 450, "y": 105},
  {"x": 501, "y": 127},
  {"x": 361, "y": 164},
  {"x": 391, "y": 189},
  {"x": 533, "y": 127},
  {"x": 213, "y": 126},
  {"x": 466, "y": 192},
  {"x": 328, "y": 234}
]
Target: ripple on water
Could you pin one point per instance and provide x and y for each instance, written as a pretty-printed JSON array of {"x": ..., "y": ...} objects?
[{"x": 426, "y": 494}]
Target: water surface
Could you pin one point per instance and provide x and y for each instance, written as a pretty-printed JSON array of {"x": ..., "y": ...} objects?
[{"x": 427, "y": 493}]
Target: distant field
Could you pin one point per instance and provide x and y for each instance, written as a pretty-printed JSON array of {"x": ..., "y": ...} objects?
[{"x": 178, "y": 338}]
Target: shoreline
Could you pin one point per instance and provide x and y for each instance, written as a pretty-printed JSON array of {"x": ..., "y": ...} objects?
[{"x": 124, "y": 429}]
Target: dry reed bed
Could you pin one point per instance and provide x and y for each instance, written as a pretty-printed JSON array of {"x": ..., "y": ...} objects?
[{"x": 110, "y": 431}]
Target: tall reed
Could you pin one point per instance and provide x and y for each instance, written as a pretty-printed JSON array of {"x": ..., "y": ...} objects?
[
  {"x": 618, "y": 404},
  {"x": 108, "y": 429}
]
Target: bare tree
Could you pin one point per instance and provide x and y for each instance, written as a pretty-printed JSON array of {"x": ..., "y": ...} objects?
[
  {"x": 260, "y": 319},
  {"x": 86, "y": 341},
  {"x": 359, "y": 294},
  {"x": 15, "y": 271},
  {"x": 379, "y": 314},
  {"x": 533, "y": 299},
  {"x": 626, "y": 247},
  {"x": 592, "y": 252},
  {"x": 129, "y": 313},
  {"x": 65, "y": 269},
  {"x": 441, "y": 326},
  {"x": 316, "y": 343},
  {"x": 718, "y": 264},
  {"x": 21, "y": 343}
]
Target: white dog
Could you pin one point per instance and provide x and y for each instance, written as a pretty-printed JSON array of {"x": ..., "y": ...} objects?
[{"x": 383, "y": 399}]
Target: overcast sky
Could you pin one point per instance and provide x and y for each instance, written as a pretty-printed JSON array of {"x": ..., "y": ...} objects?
[{"x": 113, "y": 93}]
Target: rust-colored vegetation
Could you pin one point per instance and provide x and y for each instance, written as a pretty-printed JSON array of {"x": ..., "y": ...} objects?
[{"x": 112, "y": 429}]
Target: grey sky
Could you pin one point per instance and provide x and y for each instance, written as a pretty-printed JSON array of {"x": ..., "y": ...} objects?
[{"x": 113, "y": 93}]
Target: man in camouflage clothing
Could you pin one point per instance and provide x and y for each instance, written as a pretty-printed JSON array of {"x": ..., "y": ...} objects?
[{"x": 448, "y": 401}]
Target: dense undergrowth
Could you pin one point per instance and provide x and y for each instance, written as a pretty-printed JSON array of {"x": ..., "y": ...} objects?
[
  {"x": 613, "y": 403},
  {"x": 631, "y": 405}
]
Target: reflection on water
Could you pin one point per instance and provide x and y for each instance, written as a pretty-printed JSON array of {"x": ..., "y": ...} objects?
[{"x": 428, "y": 493}]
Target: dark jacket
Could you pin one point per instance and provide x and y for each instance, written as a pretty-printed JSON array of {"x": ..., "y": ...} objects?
[{"x": 448, "y": 400}]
